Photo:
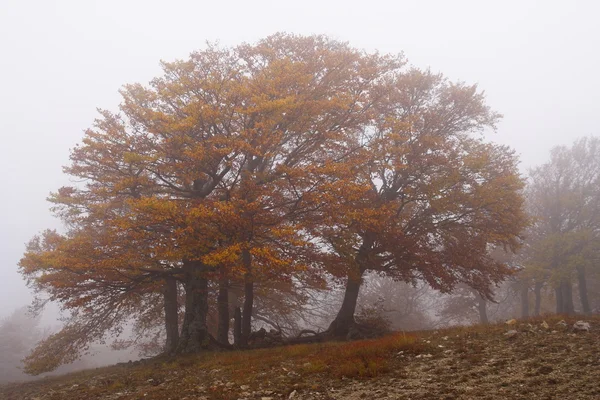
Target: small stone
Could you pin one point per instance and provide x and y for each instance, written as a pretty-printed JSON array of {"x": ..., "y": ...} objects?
[
  {"x": 581, "y": 326},
  {"x": 292, "y": 395},
  {"x": 545, "y": 325},
  {"x": 511, "y": 322},
  {"x": 562, "y": 324},
  {"x": 244, "y": 387},
  {"x": 511, "y": 334}
]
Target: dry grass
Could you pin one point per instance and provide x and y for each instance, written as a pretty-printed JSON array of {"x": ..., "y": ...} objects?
[{"x": 454, "y": 363}]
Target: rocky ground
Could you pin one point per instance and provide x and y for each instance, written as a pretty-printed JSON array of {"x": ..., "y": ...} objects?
[{"x": 534, "y": 359}]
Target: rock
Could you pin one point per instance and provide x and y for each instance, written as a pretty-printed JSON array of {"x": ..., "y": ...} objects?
[
  {"x": 545, "y": 325},
  {"x": 561, "y": 324},
  {"x": 292, "y": 395},
  {"x": 511, "y": 322},
  {"x": 244, "y": 387},
  {"x": 581, "y": 326},
  {"x": 511, "y": 334},
  {"x": 424, "y": 356},
  {"x": 531, "y": 328}
]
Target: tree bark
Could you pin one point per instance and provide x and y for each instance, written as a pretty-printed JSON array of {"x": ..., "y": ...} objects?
[
  {"x": 567, "y": 297},
  {"x": 538, "y": 298},
  {"x": 194, "y": 332},
  {"x": 583, "y": 292},
  {"x": 344, "y": 319},
  {"x": 248, "y": 298},
  {"x": 345, "y": 316},
  {"x": 223, "y": 311},
  {"x": 171, "y": 315},
  {"x": 524, "y": 299},
  {"x": 482, "y": 307}
]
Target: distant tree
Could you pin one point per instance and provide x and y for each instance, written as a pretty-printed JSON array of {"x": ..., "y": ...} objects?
[
  {"x": 19, "y": 333},
  {"x": 564, "y": 198},
  {"x": 405, "y": 306}
]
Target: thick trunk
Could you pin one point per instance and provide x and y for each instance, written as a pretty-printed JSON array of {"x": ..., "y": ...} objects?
[
  {"x": 344, "y": 319},
  {"x": 194, "y": 333},
  {"x": 559, "y": 299},
  {"x": 171, "y": 315},
  {"x": 223, "y": 311},
  {"x": 567, "y": 297},
  {"x": 248, "y": 298},
  {"x": 237, "y": 327},
  {"x": 345, "y": 316},
  {"x": 482, "y": 306},
  {"x": 524, "y": 299},
  {"x": 583, "y": 292},
  {"x": 538, "y": 298}
]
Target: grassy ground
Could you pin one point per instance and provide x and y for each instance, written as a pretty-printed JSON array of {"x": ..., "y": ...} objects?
[{"x": 479, "y": 362}]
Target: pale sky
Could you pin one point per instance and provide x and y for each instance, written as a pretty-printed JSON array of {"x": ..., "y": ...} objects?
[{"x": 538, "y": 62}]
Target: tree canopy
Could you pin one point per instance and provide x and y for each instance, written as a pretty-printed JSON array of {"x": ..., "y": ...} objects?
[{"x": 285, "y": 162}]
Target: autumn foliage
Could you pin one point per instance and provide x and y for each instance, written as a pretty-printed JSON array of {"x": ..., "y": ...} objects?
[{"x": 267, "y": 168}]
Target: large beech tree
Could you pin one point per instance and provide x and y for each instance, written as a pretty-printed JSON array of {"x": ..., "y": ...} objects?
[
  {"x": 426, "y": 200},
  {"x": 274, "y": 163}
]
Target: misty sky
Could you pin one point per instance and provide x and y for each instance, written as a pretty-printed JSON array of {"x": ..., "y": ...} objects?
[{"x": 538, "y": 61}]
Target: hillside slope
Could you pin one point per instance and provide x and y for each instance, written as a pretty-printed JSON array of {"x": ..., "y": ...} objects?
[{"x": 538, "y": 360}]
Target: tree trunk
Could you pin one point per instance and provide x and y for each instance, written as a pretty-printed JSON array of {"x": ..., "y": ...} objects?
[
  {"x": 171, "y": 315},
  {"x": 583, "y": 292},
  {"x": 567, "y": 297},
  {"x": 344, "y": 319},
  {"x": 345, "y": 316},
  {"x": 223, "y": 311},
  {"x": 237, "y": 327},
  {"x": 538, "y": 298},
  {"x": 482, "y": 306},
  {"x": 248, "y": 298},
  {"x": 524, "y": 299},
  {"x": 559, "y": 299},
  {"x": 194, "y": 332}
]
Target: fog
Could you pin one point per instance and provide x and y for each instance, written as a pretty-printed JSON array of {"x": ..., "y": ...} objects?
[{"x": 536, "y": 60}]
